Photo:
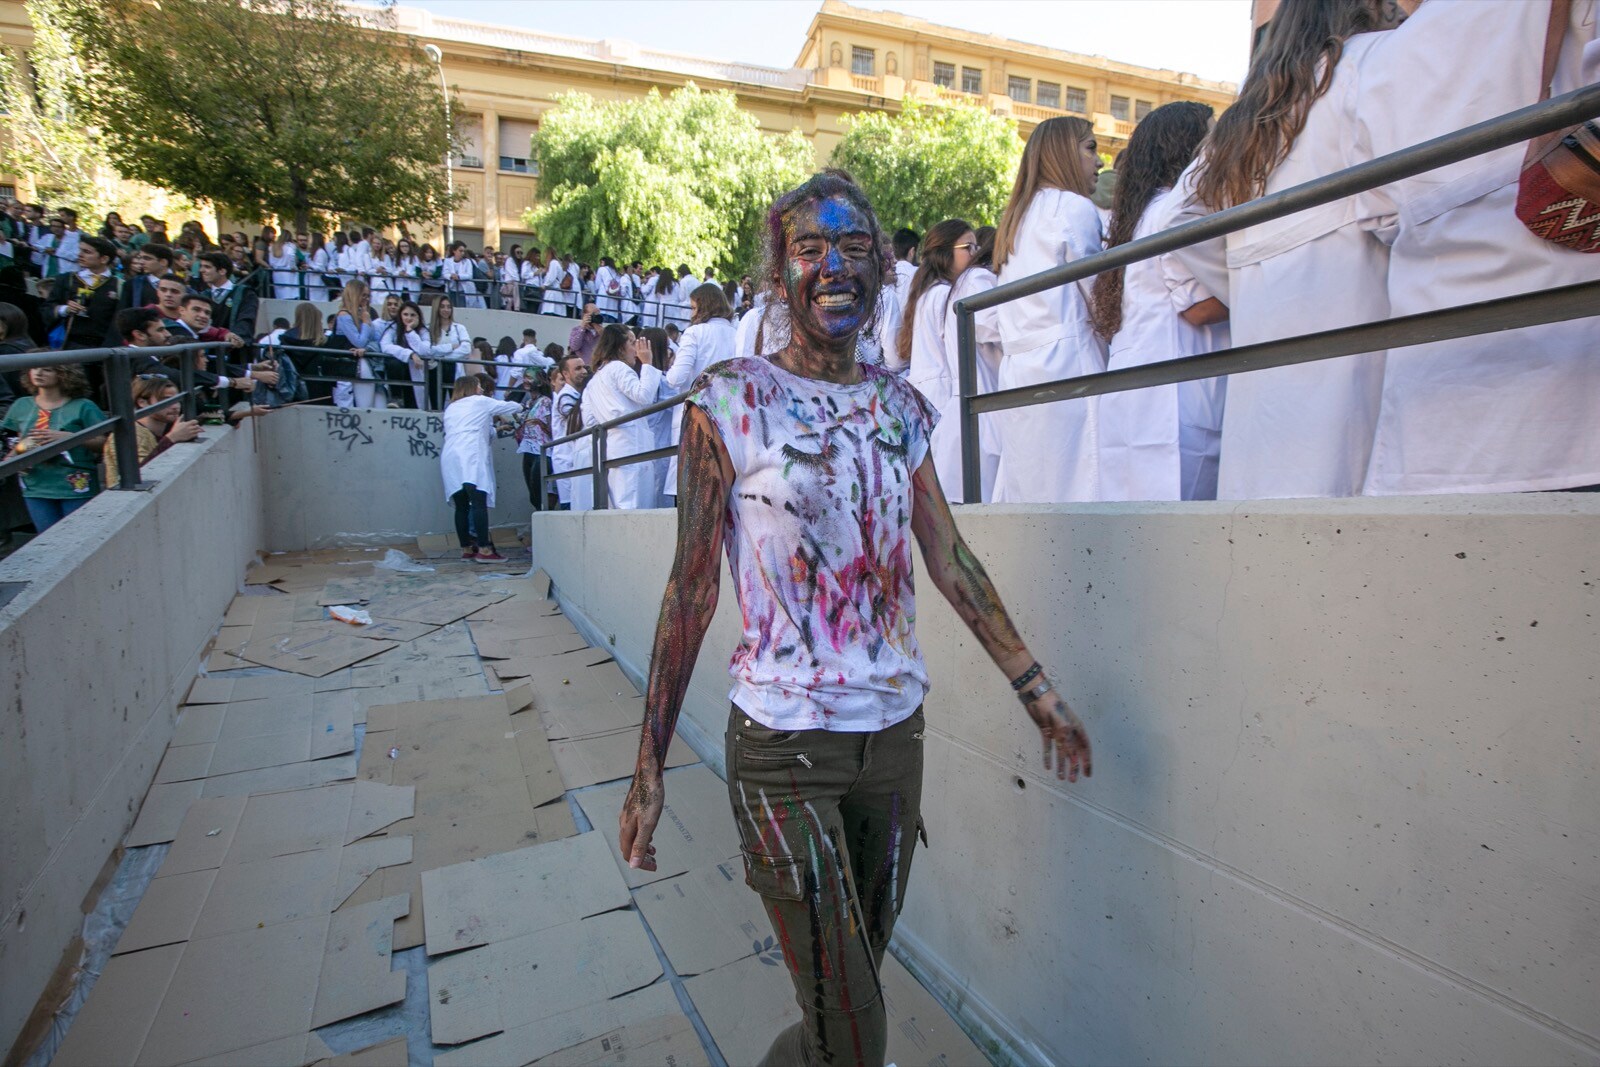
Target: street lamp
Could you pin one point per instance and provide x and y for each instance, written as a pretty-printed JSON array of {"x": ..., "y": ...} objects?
[{"x": 433, "y": 53}]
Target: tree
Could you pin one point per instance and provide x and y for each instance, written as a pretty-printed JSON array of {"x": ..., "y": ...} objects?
[
  {"x": 288, "y": 108},
  {"x": 931, "y": 162},
  {"x": 685, "y": 178}
]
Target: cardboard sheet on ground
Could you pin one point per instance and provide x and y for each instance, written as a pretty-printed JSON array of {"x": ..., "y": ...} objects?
[
  {"x": 251, "y": 687},
  {"x": 578, "y": 1029},
  {"x": 440, "y": 604},
  {"x": 443, "y": 841},
  {"x": 312, "y": 577},
  {"x": 696, "y": 828},
  {"x": 580, "y": 697},
  {"x": 418, "y": 671},
  {"x": 298, "y": 1049},
  {"x": 313, "y": 653},
  {"x": 747, "y": 1003},
  {"x": 491, "y": 645},
  {"x": 514, "y": 983},
  {"x": 200, "y": 724},
  {"x": 219, "y": 830},
  {"x": 511, "y": 894},
  {"x": 448, "y": 688},
  {"x": 390, "y": 1053},
  {"x": 245, "y": 992},
  {"x": 592, "y": 760},
  {"x": 440, "y": 642},
  {"x": 707, "y": 918},
  {"x": 378, "y": 630},
  {"x": 660, "y": 1039},
  {"x": 519, "y": 627},
  {"x": 220, "y": 656},
  {"x": 164, "y": 807},
  {"x": 254, "y": 735},
  {"x": 256, "y": 893}
]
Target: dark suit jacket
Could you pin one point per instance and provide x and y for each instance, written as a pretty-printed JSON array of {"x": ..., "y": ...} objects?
[
  {"x": 237, "y": 314},
  {"x": 138, "y": 290},
  {"x": 96, "y": 327}
]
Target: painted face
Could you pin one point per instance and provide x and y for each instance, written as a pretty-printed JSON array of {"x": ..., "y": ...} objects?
[{"x": 833, "y": 269}]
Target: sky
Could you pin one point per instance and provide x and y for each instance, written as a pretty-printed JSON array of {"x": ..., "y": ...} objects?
[{"x": 1210, "y": 38}]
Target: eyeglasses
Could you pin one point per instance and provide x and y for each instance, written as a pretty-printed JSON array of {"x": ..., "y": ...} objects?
[
  {"x": 154, "y": 378},
  {"x": 967, "y": 246}
]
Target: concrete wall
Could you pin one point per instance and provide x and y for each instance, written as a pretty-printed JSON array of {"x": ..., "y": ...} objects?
[
  {"x": 97, "y": 649},
  {"x": 1344, "y": 807},
  {"x": 365, "y": 476}
]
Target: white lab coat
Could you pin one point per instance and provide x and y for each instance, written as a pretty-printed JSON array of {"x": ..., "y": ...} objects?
[
  {"x": 703, "y": 345},
  {"x": 903, "y": 273},
  {"x": 579, "y": 491},
  {"x": 468, "y": 435},
  {"x": 1303, "y": 430},
  {"x": 1047, "y": 452},
  {"x": 554, "y": 301},
  {"x": 1503, "y": 412},
  {"x": 285, "y": 271},
  {"x": 461, "y": 283},
  {"x": 318, "y": 267},
  {"x": 608, "y": 291},
  {"x": 933, "y": 370},
  {"x": 1161, "y": 443},
  {"x": 616, "y": 390},
  {"x": 986, "y": 325},
  {"x": 632, "y": 303},
  {"x": 575, "y": 295},
  {"x": 408, "y": 277},
  {"x": 416, "y": 344}
]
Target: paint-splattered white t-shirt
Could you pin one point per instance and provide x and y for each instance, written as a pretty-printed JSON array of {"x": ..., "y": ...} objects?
[{"x": 820, "y": 543}]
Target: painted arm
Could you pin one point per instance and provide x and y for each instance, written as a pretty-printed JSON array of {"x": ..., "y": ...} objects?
[
  {"x": 963, "y": 581},
  {"x": 705, "y": 479}
]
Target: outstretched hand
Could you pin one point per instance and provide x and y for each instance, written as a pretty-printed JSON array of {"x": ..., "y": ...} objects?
[
  {"x": 1063, "y": 735},
  {"x": 641, "y": 812}
]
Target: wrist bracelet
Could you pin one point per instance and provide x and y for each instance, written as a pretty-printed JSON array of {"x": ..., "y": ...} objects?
[
  {"x": 1030, "y": 695},
  {"x": 1025, "y": 677}
]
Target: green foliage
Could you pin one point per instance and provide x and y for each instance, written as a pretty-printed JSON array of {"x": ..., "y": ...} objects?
[
  {"x": 291, "y": 108},
  {"x": 46, "y": 139},
  {"x": 685, "y": 178},
  {"x": 931, "y": 162}
]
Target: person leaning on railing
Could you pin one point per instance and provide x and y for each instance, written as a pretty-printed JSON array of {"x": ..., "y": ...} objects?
[
  {"x": 154, "y": 433},
  {"x": 57, "y": 406}
]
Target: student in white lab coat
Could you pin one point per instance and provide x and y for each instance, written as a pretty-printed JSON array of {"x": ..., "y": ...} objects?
[
  {"x": 352, "y": 261},
  {"x": 660, "y": 292},
  {"x": 905, "y": 242},
  {"x": 283, "y": 256},
  {"x": 625, "y": 380},
  {"x": 553, "y": 301},
  {"x": 577, "y": 299},
  {"x": 381, "y": 268},
  {"x": 978, "y": 278},
  {"x": 319, "y": 265},
  {"x": 448, "y": 339},
  {"x": 407, "y": 269},
  {"x": 409, "y": 345},
  {"x": 1047, "y": 452},
  {"x": 1304, "y": 430},
  {"x": 922, "y": 346},
  {"x": 466, "y": 463},
  {"x": 1159, "y": 443},
  {"x": 460, "y": 280},
  {"x": 608, "y": 290},
  {"x": 1502, "y": 412},
  {"x": 529, "y": 353},
  {"x": 709, "y": 340},
  {"x": 576, "y": 493}
]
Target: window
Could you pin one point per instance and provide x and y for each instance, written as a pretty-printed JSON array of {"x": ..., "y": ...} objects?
[
  {"x": 944, "y": 74},
  {"x": 1019, "y": 89},
  {"x": 1078, "y": 100},
  {"x": 971, "y": 80},
  {"x": 1049, "y": 95},
  {"x": 1141, "y": 108},
  {"x": 1120, "y": 108},
  {"x": 863, "y": 61},
  {"x": 519, "y": 165}
]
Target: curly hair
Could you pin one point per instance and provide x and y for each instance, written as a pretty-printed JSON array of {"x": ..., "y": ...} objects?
[
  {"x": 1162, "y": 145},
  {"x": 1293, "y": 68},
  {"x": 775, "y": 245},
  {"x": 70, "y": 379}
]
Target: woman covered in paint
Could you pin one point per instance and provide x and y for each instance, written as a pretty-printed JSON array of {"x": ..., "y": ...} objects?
[
  {"x": 1159, "y": 443},
  {"x": 813, "y": 471}
]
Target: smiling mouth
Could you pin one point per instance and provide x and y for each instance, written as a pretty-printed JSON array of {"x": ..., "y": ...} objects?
[{"x": 835, "y": 300}]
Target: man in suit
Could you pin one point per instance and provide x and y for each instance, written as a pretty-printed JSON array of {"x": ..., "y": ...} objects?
[
  {"x": 86, "y": 299},
  {"x": 147, "y": 263},
  {"x": 235, "y": 304}
]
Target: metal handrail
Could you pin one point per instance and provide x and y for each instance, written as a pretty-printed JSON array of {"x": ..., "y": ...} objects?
[
  {"x": 1512, "y": 128},
  {"x": 119, "y": 397}
]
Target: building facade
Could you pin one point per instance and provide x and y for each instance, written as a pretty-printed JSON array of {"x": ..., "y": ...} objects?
[{"x": 851, "y": 60}]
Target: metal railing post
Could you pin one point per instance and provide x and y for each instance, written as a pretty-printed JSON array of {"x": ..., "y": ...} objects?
[
  {"x": 539, "y": 494},
  {"x": 191, "y": 403},
  {"x": 967, "y": 372},
  {"x": 125, "y": 439},
  {"x": 602, "y": 494}
]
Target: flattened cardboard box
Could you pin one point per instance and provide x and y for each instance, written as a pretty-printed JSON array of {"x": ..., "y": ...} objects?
[
  {"x": 390, "y": 1053},
  {"x": 660, "y": 1039},
  {"x": 589, "y": 761},
  {"x": 314, "y": 653},
  {"x": 253, "y": 990},
  {"x": 503, "y": 896},
  {"x": 217, "y": 739},
  {"x": 517, "y": 982},
  {"x": 707, "y": 918},
  {"x": 747, "y": 1003},
  {"x": 252, "y": 687},
  {"x": 696, "y": 828},
  {"x": 554, "y": 1039}
]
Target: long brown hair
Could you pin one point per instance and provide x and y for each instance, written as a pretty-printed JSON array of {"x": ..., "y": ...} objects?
[
  {"x": 308, "y": 323},
  {"x": 937, "y": 264},
  {"x": 1161, "y": 146},
  {"x": 1290, "y": 73},
  {"x": 1050, "y": 161},
  {"x": 708, "y": 302},
  {"x": 612, "y": 346}
]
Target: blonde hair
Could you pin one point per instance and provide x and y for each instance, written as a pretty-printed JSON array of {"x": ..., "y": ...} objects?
[
  {"x": 353, "y": 297},
  {"x": 1050, "y": 161},
  {"x": 466, "y": 385}
]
